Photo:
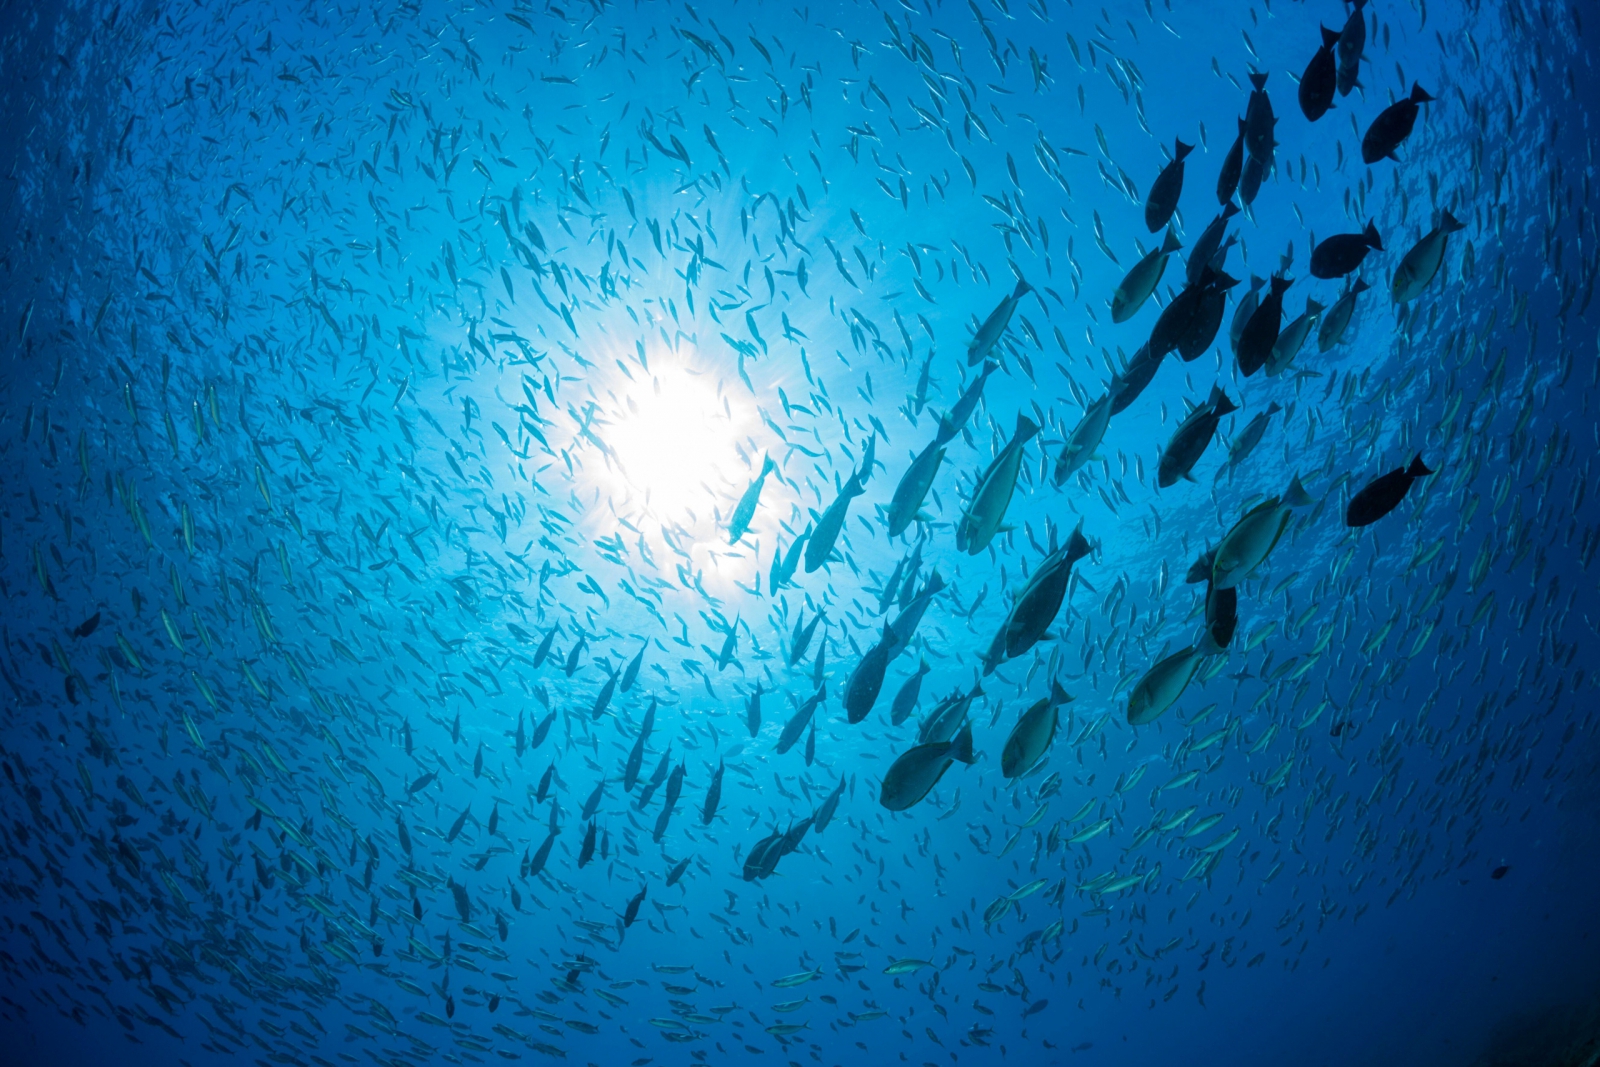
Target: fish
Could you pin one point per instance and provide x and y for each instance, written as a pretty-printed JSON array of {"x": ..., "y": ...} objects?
[
  {"x": 1321, "y": 78},
  {"x": 1032, "y": 734},
  {"x": 861, "y": 692},
  {"x": 1039, "y": 602},
  {"x": 1207, "y": 244},
  {"x": 1232, "y": 167},
  {"x": 708, "y": 811},
  {"x": 87, "y": 626},
  {"x": 824, "y": 813},
  {"x": 992, "y": 495},
  {"x": 994, "y": 327},
  {"x": 1251, "y": 540},
  {"x": 543, "y": 651},
  {"x": 1245, "y": 442},
  {"x": 1259, "y": 121},
  {"x": 1352, "y": 40},
  {"x": 801, "y": 639},
  {"x": 906, "y": 966},
  {"x": 1292, "y": 338},
  {"x": 913, "y": 487},
  {"x": 1206, "y": 319},
  {"x": 1161, "y": 686},
  {"x": 1192, "y": 437},
  {"x": 1255, "y": 172},
  {"x": 1243, "y": 310},
  {"x": 915, "y": 772},
  {"x": 800, "y": 720},
  {"x": 745, "y": 510},
  {"x": 1336, "y": 256},
  {"x": 1085, "y": 438},
  {"x": 830, "y": 523},
  {"x": 586, "y": 850},
  {"x": 1142, "y": 279},
  {"x": 947, "y": 716},
  {"x": 1162, "y": 200},
  {"x": 1139, "y": 372},
  {"x": 1393, "y": 125},
  {"x": 1336, "y": 323},
  {"x": 630, "y": 673},
  {"x": 905, "y": 698},
  {"x": 752, "y": 710},
  {"x": 965, "y": 405},
  {"x": 1421, "y": 263},
  {"x": 630, "y": 770},
  {"x": 1261, "y": 332},
  {"x": 1383, "y": 494}
]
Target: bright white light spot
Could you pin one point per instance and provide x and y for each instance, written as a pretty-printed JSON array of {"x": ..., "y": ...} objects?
[{"x": 675, "y": 441}]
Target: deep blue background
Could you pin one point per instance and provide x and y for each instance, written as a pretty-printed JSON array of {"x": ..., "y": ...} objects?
[{"x": 246, "y": 220}]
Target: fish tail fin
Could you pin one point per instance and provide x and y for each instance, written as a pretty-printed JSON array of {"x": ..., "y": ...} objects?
[
  {"x": 1419, "y": 95},
  {"x": 946, "y": 431},
  {"x": 1449, "y": 224},
  {"x": 961, "y": 747},
  {"x": 1274, "y": 407},
  {"x": 1258, "y": 79},
  {"x": 1360, "y": 286},
  {"x": 1230, "y": 209},
  {"x": 768, "y": 465},
  {"x": 1296, "y": 496},
  {"x": 1417, "y": 468},
  {"x": 1314, "y": 308},
  {"x": 1220, "y": 404},
  {"x": 1059, "y": 695},
  {"x": 1329, "y": 37},
  {"x": 1077, "y": 545},
  {"x": 1022, "y": 289},
  {"x": 1280, "y": 284},
  {"x": 1170, "y": 243},
  {"x": 1181, "y": 150},
  {"x": 1371, "y": 234},
  {"x": 1026, "y": 427}
]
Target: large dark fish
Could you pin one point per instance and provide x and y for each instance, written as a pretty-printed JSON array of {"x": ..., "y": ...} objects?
[
  {"x": 1259, "y": 122},
  {"x": 1207, "y": 318},
  {"x": 1127, "y": 386},
  {"x": 1232, "y": 166},
  {"x": 1321, "y": 78},
  {"x": 1040, "y": 601},
  {"x": 1209, "y": 241},
  {"x": 1352, "y": 40},
  {"x": 1392, "y": 126},
  {"x": 830, "y": 522},
  {"x": 1192, "y": 437},
  {"x": 1255, "y": 172},
  {"x": 1177, "y": 317},
  {"x": 1336, "y": 256},
  {"x": 1030, "y": 738},
  {"x": 994, "y": 327},
  {"x": 1165, "y": 191},
  {"x": 916, "y": 772},
  {"x": 801, "y": 719},
  {"x": 905, "y": 700},
  {"x": 866, "y": 681},
  {"x": 1383, "y": 494},
  {"x": 1261, "y": 332}
]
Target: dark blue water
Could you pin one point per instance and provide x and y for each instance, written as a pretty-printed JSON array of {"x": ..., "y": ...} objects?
[{"x": 381, "y": 383}]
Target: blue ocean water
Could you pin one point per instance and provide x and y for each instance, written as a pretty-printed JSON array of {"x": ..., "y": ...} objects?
[{"x": 382, "y": 383}]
